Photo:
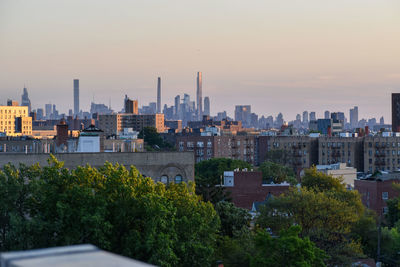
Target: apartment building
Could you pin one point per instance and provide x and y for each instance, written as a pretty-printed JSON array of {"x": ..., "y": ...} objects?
[
  {"x": 349, "y": 150},
  {"x": 297, "y": 152},
  {"x": 381, "y": 153},
  {"x": 113, "y": 124},
  {"x": 207, "y": 147},
  {"x": 15, "y": 120}
]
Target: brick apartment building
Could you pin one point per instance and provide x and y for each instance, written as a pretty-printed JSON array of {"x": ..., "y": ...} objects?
[
  {"x": 376, "y": 191},
  {"x": 298, "y": 152},
  {"x": 349, "y": 150},
  {"x": 381, "y": 153},
  {"x": 207, "y": 147},
  {"x": 247, "y": 187}
]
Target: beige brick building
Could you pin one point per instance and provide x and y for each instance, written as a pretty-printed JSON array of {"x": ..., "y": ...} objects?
[
  {"x": 15, "y": 120},
  {"x": 113, "y": 124}
]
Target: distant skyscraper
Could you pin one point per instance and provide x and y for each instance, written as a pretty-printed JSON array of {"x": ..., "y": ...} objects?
[
  {"x": 76, "y": 97},
  {"x": 354, "y": 117},
  {"x": 159, "y": 95},
  {"x": 396, "y": 112},
  {"x": 313, "y": 117},
  {"x": 199, "y": 95},
  {"x": 177, "y": 106},
  {"x": 327, "y": 115},
  {"x": 382, "y": 122},
  {"x": 207, "y": 106},
  {"x": 131, "y": 106},
  {"x": 305, "y": 117},
  {"x": 48, "y": 108},
  {"x": 39, "y": 114},
  {"x": 243, "y": 114},
  {"x": 25, "y": 101}
]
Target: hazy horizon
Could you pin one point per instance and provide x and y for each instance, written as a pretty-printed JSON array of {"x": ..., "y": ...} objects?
[{"x": 274, "y": 55}]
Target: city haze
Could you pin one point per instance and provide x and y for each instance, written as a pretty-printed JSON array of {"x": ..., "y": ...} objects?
[{"x": 278, "y": 56}]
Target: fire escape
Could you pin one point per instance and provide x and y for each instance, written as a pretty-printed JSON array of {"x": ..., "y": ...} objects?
[{"x": 380, "y": 156}]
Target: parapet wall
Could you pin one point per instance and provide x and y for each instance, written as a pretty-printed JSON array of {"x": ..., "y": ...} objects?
[{"x": 151, "y": 164}]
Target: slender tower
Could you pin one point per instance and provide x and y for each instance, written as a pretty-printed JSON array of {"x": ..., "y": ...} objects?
[
  {"x": 199, "y": 96},
  {"x": 159, "y": 95},
  {"x": 76, "y": 97}
]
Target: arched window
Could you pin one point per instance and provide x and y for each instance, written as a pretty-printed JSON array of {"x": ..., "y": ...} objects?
[
  {"x": 164, "y": 179},
  {"x": 178, "y": 179}
]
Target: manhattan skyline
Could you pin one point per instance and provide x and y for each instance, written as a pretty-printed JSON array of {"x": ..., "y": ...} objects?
[{"x": 275, "y": 57}]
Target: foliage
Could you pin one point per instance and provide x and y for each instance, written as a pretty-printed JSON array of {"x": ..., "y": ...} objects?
[
  {"x": 276, "y": 173},
  {"x": 365, "y": 230},
  {"x": 153, "y": 139},
  {"x": 320, "y": 181},
  {"x": 233, "y": 219},
  {"x": 209, "y": 174},
  {"x": 235, "y": 251},
  {"x": 390, "y": 246},
  {"x": 324, "y": 217},
  {"x": 286, "y": 250},
  {"x": 111, "y": 207}
]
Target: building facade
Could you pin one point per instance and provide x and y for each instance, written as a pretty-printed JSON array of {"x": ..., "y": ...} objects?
[
  {"x": 15, "y": 120},
  {"x": 113, "y": 124},
  {"x": 207, "y": 147}
]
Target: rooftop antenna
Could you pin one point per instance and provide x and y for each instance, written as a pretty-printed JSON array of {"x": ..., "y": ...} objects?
[{"x": 109, "y": 103}]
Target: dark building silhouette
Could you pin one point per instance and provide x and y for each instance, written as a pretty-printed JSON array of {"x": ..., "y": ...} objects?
[
  {"x": 131, "y": 106},
  {"x": 199, "y": 95},
  {"x": 396, "y": 112},
  {"x": 159, "y": 95},
  {"x": 25, "y": 101},
  {"x": 76, "y": 97}
]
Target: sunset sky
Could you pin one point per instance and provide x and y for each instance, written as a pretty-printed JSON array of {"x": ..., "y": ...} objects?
[{"x": 282, "y": 55}]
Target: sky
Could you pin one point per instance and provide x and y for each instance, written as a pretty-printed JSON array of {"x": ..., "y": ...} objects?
[{"x": 276, "y": 55}]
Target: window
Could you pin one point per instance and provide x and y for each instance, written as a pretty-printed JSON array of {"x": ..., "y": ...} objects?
[
  {"x": 385, "y": 210},
  {"x": 178, "y": 179},
  {"x": 200, "y": 144},
  {"x": 164, "y": 179},
  {"x": 385, "y": 195}
]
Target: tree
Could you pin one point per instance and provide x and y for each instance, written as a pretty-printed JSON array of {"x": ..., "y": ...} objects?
[
  {"x": 320, "y": 181},
  {"x": 288, "y": 249},
  {"x": 153, "y": 139},
  {"x": 209, "y": 174},
  {"x": 233, "y": 219},
  {"x": 324, "y": 217},
  {"x": 276, "y": 173},
  {"x": 111, "y": 207}
]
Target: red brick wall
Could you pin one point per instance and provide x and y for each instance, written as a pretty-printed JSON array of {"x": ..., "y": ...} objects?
[
  {"x": 248, "y": 188},
  {"x": 374, "y": 200}
]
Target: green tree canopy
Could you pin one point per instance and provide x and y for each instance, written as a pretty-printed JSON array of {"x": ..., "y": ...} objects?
[
  {"x": 232, "y": 218},
  {"x": 209, "y": 173},
  {"x": 111, "y": 207},
  {"x": 324, "y": 217},
  {"x": 320, "y": 181},
  {"x": 288, "y": 249},
  {"x": 153, "y": 139},
  {"x": 276, "y": 173}
]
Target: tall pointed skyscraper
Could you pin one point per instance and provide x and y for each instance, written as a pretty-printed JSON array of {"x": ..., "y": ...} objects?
[
  {"x": 25, "y": 101},
  {"x": 159, "y": 95},
  {"x": 199, "y": 95},
  {"x": 76, "y": 97}
]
